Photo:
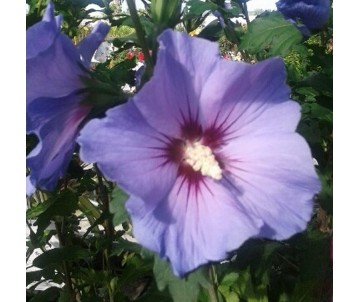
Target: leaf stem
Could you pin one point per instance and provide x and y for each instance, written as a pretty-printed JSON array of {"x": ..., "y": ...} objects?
[
  {"x": 104, "y": 198},
  {"x": 213, "y": 286}
]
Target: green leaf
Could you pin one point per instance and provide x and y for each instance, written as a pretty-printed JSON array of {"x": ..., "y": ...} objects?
[
  {"x": 197, "y": 8},
  {"x": 122, "y": 73},
  {"x": 326, "y": 195},
  {"x": 229, "y": 279},
  {"x": 319, "y": 82},
  {"x": 49, "y": 294},
  {"x": 271, "y": 33},
  {"x": 120, "y": 41},
  {"x": 225, "y": 287},
  {"x": 213, "y": 31},
  {"x": 117, "y": 206},
  {"x": 315, "y": 273},
  {"x": 65, "y": 296},
  {"x": 316, "y": 111},
  {"x": 34, "y": 276},
  {"x": 35, "y": 211},
  {"x": 62, "y": 204},
  {"x": 309, "y": 92},
  {"x": 181, "y": 289},
  {"x": 57, "y": 255},
  {"x": 123, "y": 245},
  {"x": 88, "y": 208}
]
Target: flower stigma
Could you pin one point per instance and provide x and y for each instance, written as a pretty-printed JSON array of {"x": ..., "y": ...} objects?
[{"x": 202, "y": 160}]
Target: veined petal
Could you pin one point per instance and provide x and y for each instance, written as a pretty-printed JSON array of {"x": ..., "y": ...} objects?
[
  {"x": 190, "y": 54},
  {"x": 250, "y": 99},
  {"x": 193, "y": 226},
  {"x": 55, "y": 73},
  {"x": 55, "y": 122},
  {"x": 129, "y": 152},
  {"x": 174, "y": 91},
  {"x": 276, "y": 180},
  {"x": 90, "y": 43}
]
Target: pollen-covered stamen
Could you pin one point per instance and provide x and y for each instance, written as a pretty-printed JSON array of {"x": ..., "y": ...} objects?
[{"x": 201, "y": 159}]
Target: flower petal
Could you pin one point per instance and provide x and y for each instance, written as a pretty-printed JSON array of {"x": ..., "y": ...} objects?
[
  {"x": 312, "y": 13},
  {"x": 128, "y": 151},
  {"x": 174, "y": 91},
  {"x": 41, "y": 35},
  {"x": 56, "y": 72},
  {"x": 275, "y": 178},
  {"x": 249, "y": 99},
  {"x": 192, "y": 227},
  {"x": 55, "y": 122},
  {"x": 90, "y": 43}
]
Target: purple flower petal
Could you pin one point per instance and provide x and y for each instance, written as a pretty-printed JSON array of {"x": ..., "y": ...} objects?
[
  {"x": 276, "y": 179},
  {"x": 54, "y": 65},
  {"x": 253, "y": 93},
  {"x": 186, "y": 76},
  {"x": 193, "y": 226},
  {"x": 134, "y": 158},
  {"x": 55, "y": 122},
  {"x": 90, "y": 43},
  {"x": 55, "y": 72},
  {"x": 47, "y": 29},
  {"x": 54, "y": 93},
  {"x": 312, "y": 13}
]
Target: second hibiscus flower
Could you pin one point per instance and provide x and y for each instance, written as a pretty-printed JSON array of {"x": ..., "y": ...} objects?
[{"x": 208, "y": 153}]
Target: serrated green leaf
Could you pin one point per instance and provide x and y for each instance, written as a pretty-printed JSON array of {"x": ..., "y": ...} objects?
[
  {"x": 117, "y": 206},
  {"x": 271, "y": 33},
  {"x": 309, "y": 92}
]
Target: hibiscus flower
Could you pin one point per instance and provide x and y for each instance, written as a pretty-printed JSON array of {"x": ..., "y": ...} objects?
[{"x": 208, "y": 153}]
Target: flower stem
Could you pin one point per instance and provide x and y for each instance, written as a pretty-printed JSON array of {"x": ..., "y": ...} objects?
[
  {"x": 213, "y": 286},
  {"x": 246, "y": 13},
  {"x": 104, "y": 198},
  {"x": 68, "y": 281}
]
